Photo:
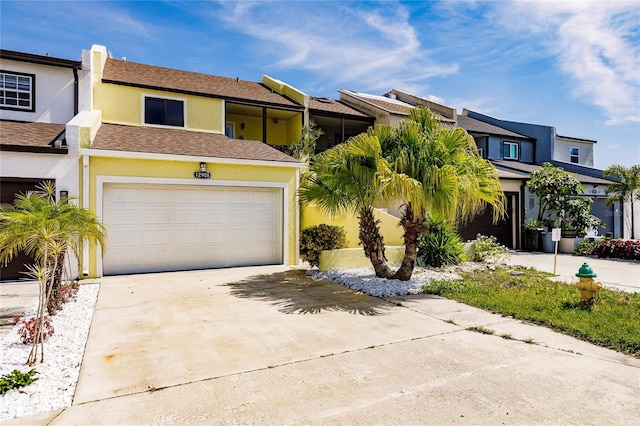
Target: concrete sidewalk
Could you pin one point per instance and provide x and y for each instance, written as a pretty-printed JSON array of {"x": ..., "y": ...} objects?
[
  {"x": 270, "y": 345},
  {"x": 15, "y": 298},
  {"x": 612, "y": 273}
]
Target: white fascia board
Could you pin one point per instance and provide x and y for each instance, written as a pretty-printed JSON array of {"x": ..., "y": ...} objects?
[
  {"x": 357, "y": 95},
  {"x": 185, "y": 158}
]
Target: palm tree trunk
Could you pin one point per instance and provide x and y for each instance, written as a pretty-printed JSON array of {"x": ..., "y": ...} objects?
[
  {"x": 54, "y": 302},
  {"x": 412, "y": 226},
  {"x": 373, "y": 243}
]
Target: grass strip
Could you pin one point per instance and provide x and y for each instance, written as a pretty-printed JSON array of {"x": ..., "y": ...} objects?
[{"x": 613, "y": 321}]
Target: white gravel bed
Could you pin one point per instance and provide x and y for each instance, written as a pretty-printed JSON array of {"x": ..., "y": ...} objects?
[
  {"x": 63, "y": 352},
  {"x": 365, "y": 280}
]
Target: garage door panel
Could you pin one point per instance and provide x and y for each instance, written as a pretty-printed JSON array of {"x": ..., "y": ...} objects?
[
  {"x": 159, "y": 216},
  {"x": 128, "y": 215},
  {"x": 125, "y": 237},
  {"x": 156, "y": 195},
  {"x": 186, "y": 196},
  {"x": 239, "y": 197},
  {"x": 155, "y": 236},
  {"x": 185, "y": 216},
  {"x": 162, "y": 227},
  {"x": 126, "y": 195},
  {"x": 263, "y": 197}
]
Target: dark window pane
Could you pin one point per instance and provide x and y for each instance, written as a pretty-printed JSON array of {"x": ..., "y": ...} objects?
[
  {"x": 175, "y": 113},
  {"x": 164, "y": 112},
  {"x": 154, "y": 111},
  {"x": 10, "y": 81}
]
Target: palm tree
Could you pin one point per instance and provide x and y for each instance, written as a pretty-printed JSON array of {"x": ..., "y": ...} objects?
[
  {"x": 625, "y": 189},
  {"x": 455, "y": 182},
  {"x": 352, "y": 177},
  {"x": 48, "y": 230}
]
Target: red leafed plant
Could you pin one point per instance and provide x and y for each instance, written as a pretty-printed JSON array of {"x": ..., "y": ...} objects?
[
  {"x": 69, "y": 292},
  {"x": 28, "y": 328},
  {"x": 619, "y": 249}
]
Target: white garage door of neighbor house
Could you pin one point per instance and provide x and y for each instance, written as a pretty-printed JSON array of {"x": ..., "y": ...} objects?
[{"x": 153, "y": 228}]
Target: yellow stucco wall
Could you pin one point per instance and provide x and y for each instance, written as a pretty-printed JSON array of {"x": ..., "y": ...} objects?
[
  {"x": 350, "y": 258},
  {"x": 124, "y": 105},
  {"x": 392, "y": 233},
  {"x": 284, "y": 132},
  {"x": 277, "y": 132},
  {"x": 294, "y": 128},
  {"x": 104, "y": 166},
  {"x": 252, "y": 126}
]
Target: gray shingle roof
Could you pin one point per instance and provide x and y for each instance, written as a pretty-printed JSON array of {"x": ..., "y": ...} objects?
[
  {"x": 149, "y": 76},
  {"x": 477, "y": 126},
  {"x": 335, "y": 107},
  {"x": 528, "y": 168},
  {"x": 183, "y": 142}
]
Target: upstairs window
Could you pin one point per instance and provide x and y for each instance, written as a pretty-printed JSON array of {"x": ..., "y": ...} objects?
[
  {"x": 510, "y": 151},
  {"x": 17, "y": 91},
  {"x": 574, "y": 154},
  {"x": 163, "y": 112},
  {"x": 481, "y": 152}
]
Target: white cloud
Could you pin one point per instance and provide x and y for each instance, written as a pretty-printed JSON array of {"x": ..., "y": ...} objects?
[
  {"x": 596, "y": 44},
  {"x": 373, "y": 49}
]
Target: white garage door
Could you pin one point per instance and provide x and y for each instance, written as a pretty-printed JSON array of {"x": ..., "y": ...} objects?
[{"x": 153, "y": 228}]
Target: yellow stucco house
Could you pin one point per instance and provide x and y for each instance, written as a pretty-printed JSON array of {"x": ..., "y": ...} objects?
[{"x": 182, "y": 168}]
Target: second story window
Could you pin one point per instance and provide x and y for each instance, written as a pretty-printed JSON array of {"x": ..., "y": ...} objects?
[
  {"x": 17, "y": 91},
  {"x": 163, "y": 112},
  {"x": 574, "y": 154},
  {"x": 510, "y": 151}
]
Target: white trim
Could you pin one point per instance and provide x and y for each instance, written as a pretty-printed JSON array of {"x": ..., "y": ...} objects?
[
  {"x": 101, "y": 180},
  {"x": 184, "y": 158},
  {"x": 297, "y": 238},
  {"x": 143, "y": 105},
  {"x": 516, "y": 144},
  {"x": 85, "y": 205},
  {"x": 571, "y": 148}
]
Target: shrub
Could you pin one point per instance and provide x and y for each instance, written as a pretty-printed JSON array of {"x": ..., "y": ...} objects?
[
  {"x": 16, "y": 379},
  {"x": 321, "y": 237},
  {"x": 618, "y": 249},
  {"x": 483, "y": 248},
  {"x": 28, "y": 327},
  {"x": 585, "y": 247},
  {"x": 439, "y": 245},
  {"x": 69, "y": 291}
]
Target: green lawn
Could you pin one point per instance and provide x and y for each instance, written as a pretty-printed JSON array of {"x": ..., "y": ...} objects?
[{"x": 526, "y": 294}]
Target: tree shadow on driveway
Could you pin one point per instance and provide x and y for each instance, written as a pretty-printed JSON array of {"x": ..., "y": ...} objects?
[{"x": 296, "y": 293}]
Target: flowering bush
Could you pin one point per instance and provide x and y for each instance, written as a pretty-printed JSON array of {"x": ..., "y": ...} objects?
[
  {"x": 28, "y": 328},
  {"x": 321, "y": 237},
  {"x": 487, "y": 247},
  {"x": 618, "y": 249}
]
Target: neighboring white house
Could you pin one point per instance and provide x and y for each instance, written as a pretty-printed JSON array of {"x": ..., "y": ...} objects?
[
  {"x": 573, "y": 150},
  {"x": 38, "y": 98}
]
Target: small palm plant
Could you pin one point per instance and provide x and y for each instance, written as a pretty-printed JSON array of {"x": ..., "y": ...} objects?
[{"x": 47, "y": 230}]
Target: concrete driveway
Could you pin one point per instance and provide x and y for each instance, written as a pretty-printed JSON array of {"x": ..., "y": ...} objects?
[{"x": 269, "y": 345}]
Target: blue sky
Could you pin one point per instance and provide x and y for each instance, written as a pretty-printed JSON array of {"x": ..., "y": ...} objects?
[{"x": 569, "y": 64}]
